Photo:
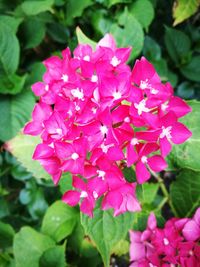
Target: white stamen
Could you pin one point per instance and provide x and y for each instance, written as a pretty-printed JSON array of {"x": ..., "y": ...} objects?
[
  {"x": 191, "y": 253},
  {"x": 104, "y": 129},
  {"x": 127, "y": 119},
  {"x": 94, "y": 110},
  {"x": 95, "y": 195},
  {"x": 59, "y": 131},
  {"x": 51, "y": 145},
  {"x": 65, "y": 78},
  {"x": 115, "y": 61},
  {"x": 86, "y": 58},
  {"x": 154, "y": 91},
  {"x": 134, "y": 141},
  {"x": 164, "y": 106},
  {"x": 77, "y": 108},
  {"x": 94, "y": 78},
  {"x": 117, "y": 95},
  {"x": 144, "y": 84},
  {"x": 101, "y": 174},
  {"x": 165, "y": 241},
  {"x": 106, "y": 147},
  {"x": 46, "y": 88},
  {"x": 69, "y": 112},
  {"x": 141, "y": 107},
  {"x": 151, "y": 265},
  {"x": 144, "y": 159},
  {"x": 78, "y": 93},
  {"x": 83, "y": 194},
  {"x": 166, "y": 132},
  {"x": 75, "y": 156}
]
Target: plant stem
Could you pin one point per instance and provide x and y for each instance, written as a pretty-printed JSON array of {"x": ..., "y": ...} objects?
[{"x": 165, "y": 192}]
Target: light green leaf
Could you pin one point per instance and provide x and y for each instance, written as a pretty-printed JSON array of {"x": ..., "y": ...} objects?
[
  {"x": 75, "y": 8},
  {"x": 14, "y": 112},
  {"x": 183, "y": 9},
  {"x": 185, "y": 192},
  {"x": 178, "y": 44},
  {"x": 114, "y": 2},
  {"x": 149, "y": 192},
  {"x": 6, "y": 235},
  {"x": 29, "y": 246},
  {"x": 59, "y": 220},
  {"x": 53, "y": 257},
  {"x": 12, "y": 22},
  {"x": 192, "y": 69},
  {"x": 121, "y": 248},
  {"x": 186, "y": 155},
  {"x": 83, "y": 39},
  {"x": 33, "y": 7},
  {"x": 128, "y": 32},
  {"x": 105, "y": 230},
  {"x": 143, "y": 11},
  {"x": 32, "y": 37},
  {"x": 12, "y": 84},
  {"x": 9, "y": 50},
  {"x": 22, "y": 147}
]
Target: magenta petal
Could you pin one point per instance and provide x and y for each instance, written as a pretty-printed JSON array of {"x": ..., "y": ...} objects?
[
  {"x": 87, "y": 206},
  {"x": 179, "y": 106},
  {"x": 43, "y": 151},
  {"x": 137, "y": 251},
  {"x": 71, "y": 197},
  {"x": 131, "y": 155},
  {"x": 152, "y": 223},
  {"x": 33, "y": 128},
  {"x": 157, "y": 163},
  {"x": 191, "y": 231},
  {"x": 165, "y": 146},
  {"x": 112, "y": 200},
  {"x": 197, "y": 216},
  {"x": 180, "y": 133},
  {"x": 142, "y": 173}
]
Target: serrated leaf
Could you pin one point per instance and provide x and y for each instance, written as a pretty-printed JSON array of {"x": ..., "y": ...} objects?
[
  {"x": 29, "y": 246},
  {"x": 14, "y": 113},
  {"x": 9, "y": 50},
  {"x": 192, "y": 69},
  {"x": 143, "y": 11},
  {"x": 185, "y": 192},
  {"x": 128, "y": 32},
  {"x": 59, "y": 220},
  {"x": 33, "y": 7},
  {"x": 53, "y": 257},
  {"x": 186, "y": 155},
  {"x": 183, "y": 9},
  {"x": 178, "y": 44},
  {"x": 83, "y": 39},
  {"x": 22, "y": 147},
  {"x": 105, "y": 230}
]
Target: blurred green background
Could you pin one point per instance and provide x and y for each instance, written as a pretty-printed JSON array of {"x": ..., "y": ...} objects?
[{"x": 166, "y": 32}]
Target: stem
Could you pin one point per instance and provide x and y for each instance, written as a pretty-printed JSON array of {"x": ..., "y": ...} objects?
[{"x": 165, "y": 192}]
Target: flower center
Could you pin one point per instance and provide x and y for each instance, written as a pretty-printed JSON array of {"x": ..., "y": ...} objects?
[
  {"x": 46, "y": 88},
  {"x": 75, "y": 156},
  {"x": 134, "y": 141},
  {"x": 144, "y": 84},
  {"x": 86, "y": 58},
  {"x": 144, "y": 159},
  {"x": 165, "y": 241},
  {"x": 115, "y": 61},
  {"x": 101, "y": 174},
  {"x": 104, "y": 129},
  {"x": 83, "y": 194},
  {"x": 65, "y": 78},
  {"x": 94, "y": 78},
  {"x": 117, "y": 95},
  {"x": 95, "y": 195},
  {"x": 78, "y": 93},
  {"x": 166, "y": 132},
  {"x": 141, "y": 107},
  {"x": 59, "y": 131}
]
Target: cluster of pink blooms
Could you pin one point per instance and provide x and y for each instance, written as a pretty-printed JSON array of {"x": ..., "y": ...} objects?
[
  {"x": 95, "y": 114},
  {"x": 175, "y": 245}
]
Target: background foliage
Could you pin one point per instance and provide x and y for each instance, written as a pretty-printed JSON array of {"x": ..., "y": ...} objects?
[{"x": 36, "y": 228}]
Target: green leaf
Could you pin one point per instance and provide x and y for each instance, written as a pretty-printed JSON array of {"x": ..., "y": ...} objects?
[
  {"x": 32, "y": 37},
  {"x": 75, "y": 8},
  {"x": 33, "y": 7},
  {"x": 9, "y": 50},
  {"x": 6, "y": 235},
  {"x": 178, "y": 44},
  {"x": 114, "y": 2},
  {"x": 12, "y": 84},
  {"x": 14, "y": 112},
  {"x": 59, "y": 220},
  {"x": 36, "y": 70},
  {"x": 83, "y": 39},
  {"x": 121, "y": 248},
  {"x": 105, "y": 230},
  {"x": 186, "y": 155},
  {"x": 151, "y": 49},
  {"x": 53, "y": 257},
  {"x": 12, "y": 22},
  {"x": 148, "y": 192},
  {"x": 186, "y": 90},
  {"x": 22, "y": 147},
  {"x": 143, "y": 11},
  {"x": 183, "y": 9},
  {"x": 128, "y": 32},
  {"x": 29, "y": 246},
  {"x": 58, "y": 32},
  {"x": 185, "y": 192},
  {"x": 192, "y": 69}
]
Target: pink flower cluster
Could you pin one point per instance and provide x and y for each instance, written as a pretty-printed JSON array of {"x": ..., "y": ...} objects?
[
  {"x": 175, "y": 245},
  {"x": 95, "y": 113}
]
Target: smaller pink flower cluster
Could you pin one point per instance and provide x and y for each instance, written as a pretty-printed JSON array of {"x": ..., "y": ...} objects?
[
  {"x": 175, "y": 245},
  {"x": 95, "y": 115}
]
